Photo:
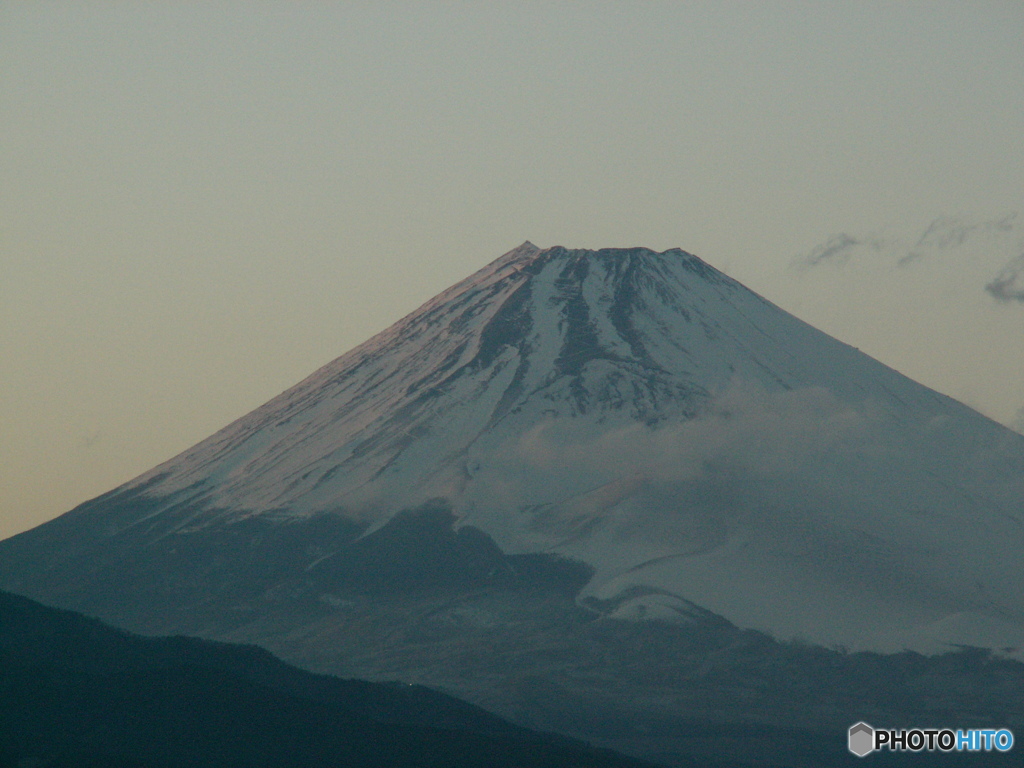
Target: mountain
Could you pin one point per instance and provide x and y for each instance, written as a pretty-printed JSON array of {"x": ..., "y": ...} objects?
[
  {"x": 598, "y": 492},
  {"x": 79, "y": 693}
]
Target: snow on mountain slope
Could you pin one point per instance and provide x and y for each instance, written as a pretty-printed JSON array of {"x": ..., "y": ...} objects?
[{"x": 648, "y": 415}]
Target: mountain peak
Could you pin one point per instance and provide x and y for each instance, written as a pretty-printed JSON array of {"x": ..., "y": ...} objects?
[
  {"x": 647, "y": 415},
  {"x": 627, "y": 336},
  {"x": 637, "y": 257},
  {"x": 523, "y": 252}
]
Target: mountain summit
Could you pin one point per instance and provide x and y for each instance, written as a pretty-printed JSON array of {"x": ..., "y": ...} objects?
[
  {"x": 535, "y": 336},
  {"x": 647, "y": 415},
  {"x": 631, "y": 428}
]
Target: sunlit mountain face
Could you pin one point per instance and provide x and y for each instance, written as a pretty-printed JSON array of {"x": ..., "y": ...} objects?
[{"x": 565, "y": 481}]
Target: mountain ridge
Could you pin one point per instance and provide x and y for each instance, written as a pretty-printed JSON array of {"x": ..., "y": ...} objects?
[{"x": 77, "y": 692}]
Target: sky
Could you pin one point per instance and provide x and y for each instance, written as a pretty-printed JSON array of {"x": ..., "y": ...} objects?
[{"x": 203, "y": 203}]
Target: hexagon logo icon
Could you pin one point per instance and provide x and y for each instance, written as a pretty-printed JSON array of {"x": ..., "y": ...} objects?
[{"x": 861, "y": 739}]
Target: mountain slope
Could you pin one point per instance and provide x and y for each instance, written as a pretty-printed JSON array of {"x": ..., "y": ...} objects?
[{"x": 75, "y": 692}]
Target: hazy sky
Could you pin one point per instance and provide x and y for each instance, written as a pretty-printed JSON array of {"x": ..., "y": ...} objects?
[{"x": 202, "y": 203}]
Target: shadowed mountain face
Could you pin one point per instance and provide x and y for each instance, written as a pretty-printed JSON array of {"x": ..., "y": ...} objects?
[
  {"x": 579, "y": 488},
  {"x": 74, "y": 692}
]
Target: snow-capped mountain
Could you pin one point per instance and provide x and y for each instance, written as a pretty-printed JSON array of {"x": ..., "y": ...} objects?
[
  {"x": 645, "y": 414},
  {"x": 613, "y": 494}
]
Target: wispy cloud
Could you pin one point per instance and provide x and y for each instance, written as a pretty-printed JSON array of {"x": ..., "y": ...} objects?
[
  {"x": 945, "y": 233},
  {"x": 683, "y": 484},
  {"x": 948, "y": 232},
  {"x": 1008, "y": 285},
  {"x": 836, "y": 250},
  {"x": 686, "y": 484}
]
